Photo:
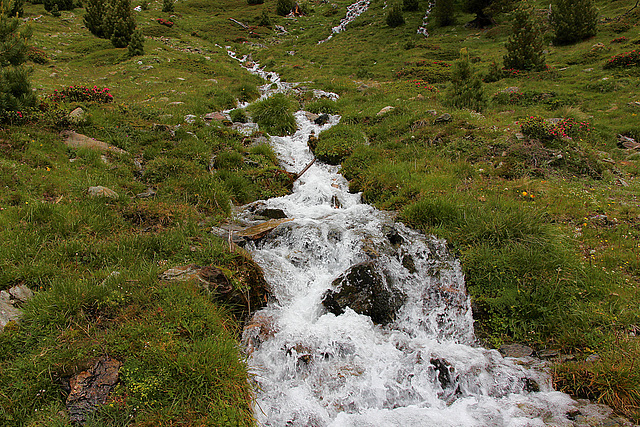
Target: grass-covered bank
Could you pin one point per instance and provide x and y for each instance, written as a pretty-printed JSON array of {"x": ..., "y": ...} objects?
[{"x": 546, "y": 227}]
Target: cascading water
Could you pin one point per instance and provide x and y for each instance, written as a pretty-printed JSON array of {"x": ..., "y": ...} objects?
[{"x": 418, "y": 364}]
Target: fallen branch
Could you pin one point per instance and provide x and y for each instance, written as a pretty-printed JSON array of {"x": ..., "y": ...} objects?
[
  {"x": 246, "y": 27},
  {"x": 305, "y": 168}
]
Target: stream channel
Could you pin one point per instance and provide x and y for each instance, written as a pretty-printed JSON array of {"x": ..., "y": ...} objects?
[{"x": 410, "y": 358}]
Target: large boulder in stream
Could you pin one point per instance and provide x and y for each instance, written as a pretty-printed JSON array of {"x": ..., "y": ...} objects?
[{"x": 363, "y": 288}]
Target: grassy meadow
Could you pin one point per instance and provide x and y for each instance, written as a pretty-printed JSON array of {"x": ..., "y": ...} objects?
[{"x": 547, "y": 227}]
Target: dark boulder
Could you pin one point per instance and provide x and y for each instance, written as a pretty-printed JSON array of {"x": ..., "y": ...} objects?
[{"x": 363, "y": 288}]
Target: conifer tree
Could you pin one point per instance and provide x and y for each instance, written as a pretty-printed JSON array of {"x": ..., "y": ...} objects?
[
  {"x": 94, "y": 18},
  {"x": 444, "y": 13},
  {"x": 410, "y": 5},
  {"x": 524, "y": 45},
  {"x": 394, "y": 17},
  {"x": 167, "y": 6},
  {"x": 466, "y": 89},
  {"x": 573, "y": 20},
  {"x": 118, "y": 23},
  {"x": 51, "y": 5},
  {"x": 15, "y": 90},
  {"x": 136, "y": 45}
]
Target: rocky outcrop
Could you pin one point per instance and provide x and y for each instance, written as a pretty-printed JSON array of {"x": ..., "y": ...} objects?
[
  {"x": 90, "y": 389},
  {"x": 76, "y": 140},
  {"x": 251, "y": 295},
  {"x": 10, "y": 302}
]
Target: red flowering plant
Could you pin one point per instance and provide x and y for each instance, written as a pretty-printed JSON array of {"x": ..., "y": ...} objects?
[
  {"x": 625, "y": 59},
  {"x": 82, "y": 94},
  {"x": 546, "y": 131},
  {"x": 164, "y": 22},
  {"x": 619, "y": 40}
]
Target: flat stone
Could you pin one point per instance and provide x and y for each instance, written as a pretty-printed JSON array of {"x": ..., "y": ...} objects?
[
  {"x": 516, "y": 350},
  {"x": 217, "y": 116},
  {"x": 444, "y": 118},
  {"x": 258, "y": 231},
  {"x": 77, "y": 140},
  {"x": 100, "y": 191},
  {"x": 10, "y": 301}
]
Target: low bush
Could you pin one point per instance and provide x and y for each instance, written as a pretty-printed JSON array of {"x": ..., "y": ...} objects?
[
  {"x": 428, "y": 71},
  {"x": 394, "y": 17}
]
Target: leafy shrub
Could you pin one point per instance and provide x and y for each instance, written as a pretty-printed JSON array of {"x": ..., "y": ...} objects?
[
  {"x": 337, "y": 143},
  {"x": 274, "y": 115},
  {"x": 394, "y": 17},
  {"x": 623, "y": 60},
  {"x": 82, "y": 94}
]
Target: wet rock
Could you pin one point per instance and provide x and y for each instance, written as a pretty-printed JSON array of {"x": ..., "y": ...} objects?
[
  {"x": 322, "y": 119},
  {"x": 76, "y": 140},
  {"x": 259, "y": 329},
  {"x": 515, "y": 350},
  {"x": 100, "y": 191},
  {"x": 10, "y": 302},
  {"x": 90, "y": 389},
  {"x": 531, "y": 385},
  {"x": 311, "y": 116},
  {"x": 443, "y": 118},
  {"x": 260, "y": 230},
  {"x": 363, "y": 288}
]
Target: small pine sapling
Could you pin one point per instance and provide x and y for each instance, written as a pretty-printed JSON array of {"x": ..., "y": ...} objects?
[{"x": 524, "y": 45}]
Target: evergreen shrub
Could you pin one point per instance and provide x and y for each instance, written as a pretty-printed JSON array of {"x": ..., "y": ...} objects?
[
  {"x": 524, "y": 46},
  {"x": 573, "y": 20}
]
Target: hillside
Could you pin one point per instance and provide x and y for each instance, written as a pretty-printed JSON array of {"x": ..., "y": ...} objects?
[{"x": 536, "y": 193}]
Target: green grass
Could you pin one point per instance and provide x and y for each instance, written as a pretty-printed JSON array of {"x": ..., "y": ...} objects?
[{"x": 546, "y": 231}]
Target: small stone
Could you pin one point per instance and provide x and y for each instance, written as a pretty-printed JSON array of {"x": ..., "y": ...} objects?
[
  {"x": 520, "y": 136},
  {"x": 444, "y": 118},
  {"x": 512, "y": 89},
  {"x": 516, "y": 350},
  {"x": 145, "y": 195},
  {"x": 385, "y": 110},
  {"x": 311, "y": 116},
  {"x": 176, "y": 103},
  {"x": 100, "y": 191},
  {"x": 146, "y": 67},
  {"x": 190, "y": 118},
  {"x": 592, "y": 358}
]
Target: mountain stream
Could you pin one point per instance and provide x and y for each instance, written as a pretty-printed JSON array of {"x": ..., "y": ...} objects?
[{"x": 416, "y": 364}]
